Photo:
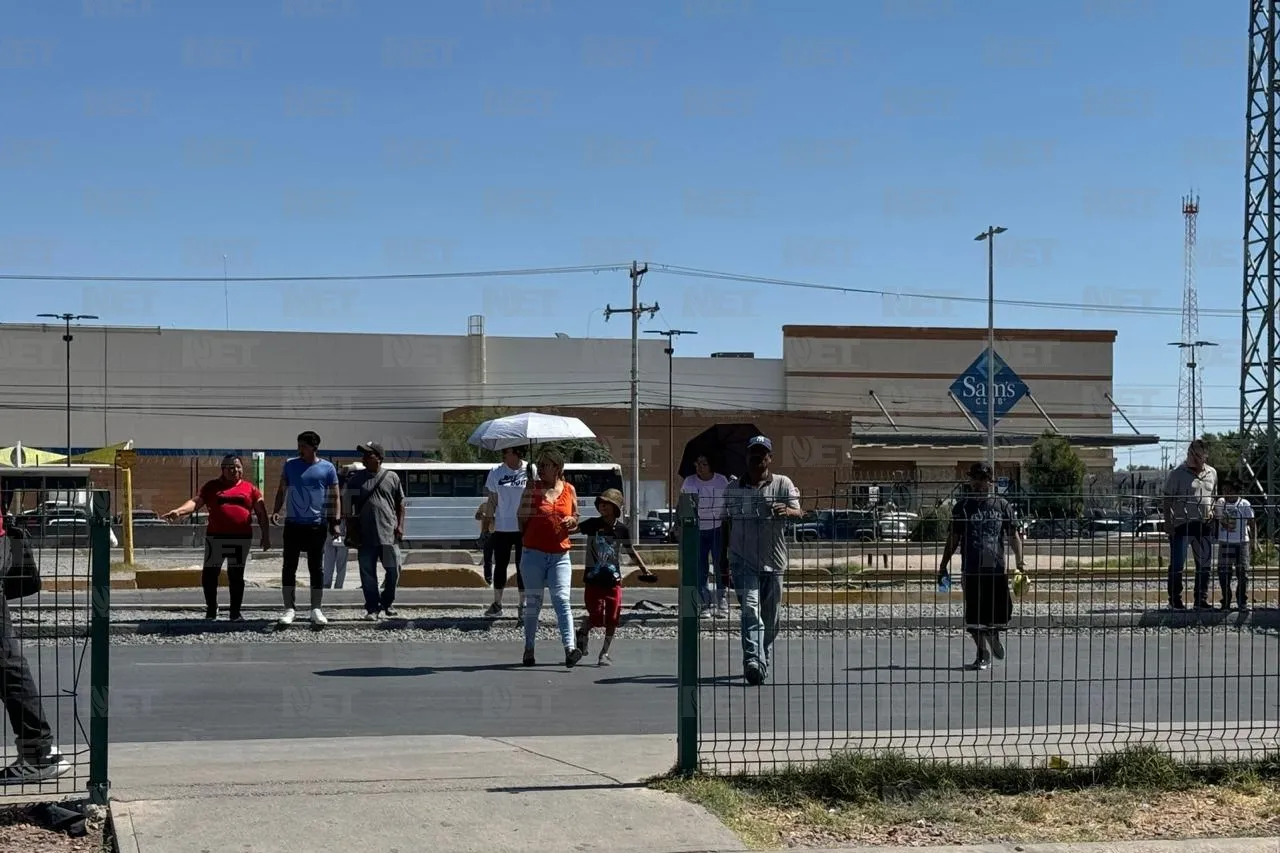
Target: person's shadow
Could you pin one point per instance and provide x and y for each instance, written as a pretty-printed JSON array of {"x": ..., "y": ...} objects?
[{"x": 897, "y": 667}]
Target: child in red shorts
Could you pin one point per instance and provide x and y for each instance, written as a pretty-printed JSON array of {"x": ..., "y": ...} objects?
[{"x": 603, "y": 576}]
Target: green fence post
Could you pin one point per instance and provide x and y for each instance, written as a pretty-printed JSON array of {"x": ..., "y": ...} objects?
[
  {"x": 99, "y": 645},
  {"x": 687, "y": 727}
]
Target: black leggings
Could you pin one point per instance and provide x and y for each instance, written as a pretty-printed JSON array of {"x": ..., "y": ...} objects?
[
  {"x": 302, "y": 539},
  {"x": 235, "y": 551},
  {"x": 503, "y": 544}
]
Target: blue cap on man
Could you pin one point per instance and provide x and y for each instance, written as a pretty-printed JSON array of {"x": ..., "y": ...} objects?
[{"x": 760, "y": 441}]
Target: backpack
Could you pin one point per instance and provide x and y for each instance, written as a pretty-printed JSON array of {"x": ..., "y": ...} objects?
[{"x": 605, "y": 573}]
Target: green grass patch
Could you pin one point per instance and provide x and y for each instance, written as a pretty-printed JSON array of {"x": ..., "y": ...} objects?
[
  {"x": 894, "y": 799},
  {"x": 660, "y": 556}
]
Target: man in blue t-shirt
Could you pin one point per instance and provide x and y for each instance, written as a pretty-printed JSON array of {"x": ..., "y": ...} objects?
[{"x": 311, "y": 486}]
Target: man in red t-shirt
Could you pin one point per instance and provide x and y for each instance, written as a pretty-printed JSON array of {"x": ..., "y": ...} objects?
[{"x": 232, "y": 502}]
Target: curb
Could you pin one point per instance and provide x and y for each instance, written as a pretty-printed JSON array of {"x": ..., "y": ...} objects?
[
  {"x": 120, "y": 824},
  {"x": 1262, "y": 619}
]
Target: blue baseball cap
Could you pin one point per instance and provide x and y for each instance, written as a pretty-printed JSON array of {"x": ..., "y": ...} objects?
[{"x": 760, "y": 441}]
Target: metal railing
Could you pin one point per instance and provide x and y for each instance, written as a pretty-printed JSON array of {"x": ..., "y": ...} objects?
[
  {"x": 62, "y": 633},
  {"x": 872, "y": 655}
]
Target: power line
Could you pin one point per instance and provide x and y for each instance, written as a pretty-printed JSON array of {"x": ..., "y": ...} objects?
[{"x": 140, "y": 279}]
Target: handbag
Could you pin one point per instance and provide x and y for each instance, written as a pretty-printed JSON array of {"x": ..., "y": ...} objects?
[
  {"x": 354, "y": 534},
  {"x": 23, "y": 577}
]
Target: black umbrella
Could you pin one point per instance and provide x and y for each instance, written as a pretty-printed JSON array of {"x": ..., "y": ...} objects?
[{"x": 724, "y": 445}]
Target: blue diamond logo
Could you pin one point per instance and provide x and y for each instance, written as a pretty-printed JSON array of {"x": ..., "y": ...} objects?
[{"x": 970, "y": 388}]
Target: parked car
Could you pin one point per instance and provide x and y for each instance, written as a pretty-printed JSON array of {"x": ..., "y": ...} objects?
[
  {"x": 839, "y": 525},
  {"x": 1152, "y": 528}
]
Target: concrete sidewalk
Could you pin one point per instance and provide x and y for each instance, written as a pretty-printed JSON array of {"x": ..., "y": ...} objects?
[{"x": 460, "y": 794}]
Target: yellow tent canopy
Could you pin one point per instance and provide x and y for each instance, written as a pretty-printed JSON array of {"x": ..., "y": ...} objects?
[
  {"x": 102, "y": 456},
  {"x": 18, "y": 456}
]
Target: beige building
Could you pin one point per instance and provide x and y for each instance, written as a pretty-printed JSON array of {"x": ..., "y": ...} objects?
[
  {"x": 837, "y": 402},
  {"x": 899, "y": 381}
]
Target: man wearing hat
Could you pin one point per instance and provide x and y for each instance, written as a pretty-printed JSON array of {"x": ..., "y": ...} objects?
[
  {"x": 754, "y": 548},
  {"x": 982, "y": 526},
  {"x": 375, "y": 521}
]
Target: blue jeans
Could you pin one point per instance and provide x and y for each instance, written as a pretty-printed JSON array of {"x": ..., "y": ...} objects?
[
  {"x": 553, "y": 572},
  {"x": 1196, "y": 537},
  {"x": 368, "y": 556},
  {"x": 708, "y": 554},
  {"x": 760, "y": 597}
]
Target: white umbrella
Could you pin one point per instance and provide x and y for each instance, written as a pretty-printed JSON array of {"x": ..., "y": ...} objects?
[{"x": 527, "y": 428}]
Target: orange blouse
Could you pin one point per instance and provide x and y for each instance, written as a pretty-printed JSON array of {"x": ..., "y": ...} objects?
[{"x": 544, "y": 532}]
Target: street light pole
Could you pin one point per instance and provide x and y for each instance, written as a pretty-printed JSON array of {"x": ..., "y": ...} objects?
[
  {"x": 67, "y": 319},
  {"x": 671, "y": 335},
  {"x": 1194, "y": 346},
  {"x": 990, "y": 237}
]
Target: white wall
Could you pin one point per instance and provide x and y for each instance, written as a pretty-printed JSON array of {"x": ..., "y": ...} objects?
[{"x": 213, "y": 390}]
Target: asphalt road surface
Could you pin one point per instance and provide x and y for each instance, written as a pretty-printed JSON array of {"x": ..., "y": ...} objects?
[{"x": 859, "y": 683}]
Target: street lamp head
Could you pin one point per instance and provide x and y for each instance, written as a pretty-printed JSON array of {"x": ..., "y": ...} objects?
[
  {"x": 999, "y": 229},
  {"x": 86, "y": 317},
  {"x": 994, "y": 229}
]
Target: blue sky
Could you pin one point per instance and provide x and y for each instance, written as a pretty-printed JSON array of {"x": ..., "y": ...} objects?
[{"x": 860, "y": 144}]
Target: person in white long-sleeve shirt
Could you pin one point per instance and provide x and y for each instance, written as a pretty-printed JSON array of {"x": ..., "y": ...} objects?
[{"x": 709, "y": 488}]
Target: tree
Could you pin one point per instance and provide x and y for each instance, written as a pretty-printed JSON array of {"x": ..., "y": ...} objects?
[
  {"x": 1055, "y": 474},
  {"x": 458, "y": 426}
]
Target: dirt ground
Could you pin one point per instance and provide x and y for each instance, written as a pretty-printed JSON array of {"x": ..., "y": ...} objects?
[
  {"x": 20, "y": 834},
  {"x": 1241, "y": 811}
]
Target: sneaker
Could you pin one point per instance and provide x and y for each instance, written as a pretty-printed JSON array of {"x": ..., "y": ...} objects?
[
  {"x": 754, "y": 674},
  {"x": 286, "y": 618},
  {"x": 981, "y": 662},
  {"x": 495, "y": 609},
  {"x": 391, "y": 611},
  {"x": 572, "y": 656},
  {"x": 25, "y": 771},
  {"x": 318, "y": 618},
  {"x": 238, "y": 619},
  {"x": 211, "y": 614},
  {"x": 997, "y": 647},
  {"x": 1177, "y": 604},
  {"x": 605, "y": 660},
  {"x": 372, "y": 617},
  {"x": 528, "y": 658},
  {"x": 1203, "y": 605}
]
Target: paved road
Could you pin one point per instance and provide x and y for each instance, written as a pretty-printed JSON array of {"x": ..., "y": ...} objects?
[{"x": 913, "y": 682}]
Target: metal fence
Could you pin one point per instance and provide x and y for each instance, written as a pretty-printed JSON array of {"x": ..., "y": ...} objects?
[
  {"x": 873, "y": 656},
  {"x": 62, "y": 634}
]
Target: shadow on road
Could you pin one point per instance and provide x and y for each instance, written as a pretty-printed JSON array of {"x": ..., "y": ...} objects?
[
  {"x": 893, "y": 667},
  {"x": 669, "y": 680},
  {"x": 411, "y": 671}
]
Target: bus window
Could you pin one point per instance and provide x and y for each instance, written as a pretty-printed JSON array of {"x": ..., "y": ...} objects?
[
  {"x": 417, "y": 485},
  {"x": 593, "y": 482},
  {"x": 457, "y": 484}
]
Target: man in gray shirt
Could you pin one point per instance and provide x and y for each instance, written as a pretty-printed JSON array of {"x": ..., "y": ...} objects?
[
  {"x": 1188, "y": 519},
  {"x": 754, "y": 549},
  {"x": 375, "y": 498}
]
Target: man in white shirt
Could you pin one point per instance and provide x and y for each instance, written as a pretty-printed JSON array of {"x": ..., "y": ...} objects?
[
  {"x": 505, "y": 487},
  {"x": 1236, "y": 532},
  {"x": 709, "y": 488}
]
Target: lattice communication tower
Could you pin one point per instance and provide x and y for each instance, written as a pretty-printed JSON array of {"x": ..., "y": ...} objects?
[{"x": 1190, "y": 400}]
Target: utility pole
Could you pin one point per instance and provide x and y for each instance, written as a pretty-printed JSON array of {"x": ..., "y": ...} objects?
[
  {"x": 990, "y": 237},
  {"x": 67, "y": 320},
  {"x": 636, "y": 273},
  {"x": 672, "y": 464},
  {"x": 1194, "y": 404}
]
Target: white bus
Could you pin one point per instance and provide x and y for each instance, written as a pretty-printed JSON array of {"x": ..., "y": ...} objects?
[{"x": 441, "y": 498}]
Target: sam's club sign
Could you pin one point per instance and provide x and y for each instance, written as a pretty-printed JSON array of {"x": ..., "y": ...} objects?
[{"x": 970, "y": 388}]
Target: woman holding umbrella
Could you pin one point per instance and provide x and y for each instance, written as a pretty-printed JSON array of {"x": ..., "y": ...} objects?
[{"x": 548, "y": 517}]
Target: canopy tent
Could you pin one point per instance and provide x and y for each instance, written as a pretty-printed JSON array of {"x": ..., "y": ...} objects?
[{"x": 20, "y": 456}]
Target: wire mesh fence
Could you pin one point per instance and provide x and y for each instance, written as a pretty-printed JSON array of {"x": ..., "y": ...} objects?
[
  {"x": 53, "y": 657},
  {"x": 872, "y": 653}
]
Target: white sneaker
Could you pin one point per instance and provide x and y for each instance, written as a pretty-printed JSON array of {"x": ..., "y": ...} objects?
[
  {"x": 24, "y": 771},
  {"x": 286, "y": 618},
  {"x": 372, "y": 617},
  {"x": 605, "y": 660},
  {"x": 317, "y": 617}
]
